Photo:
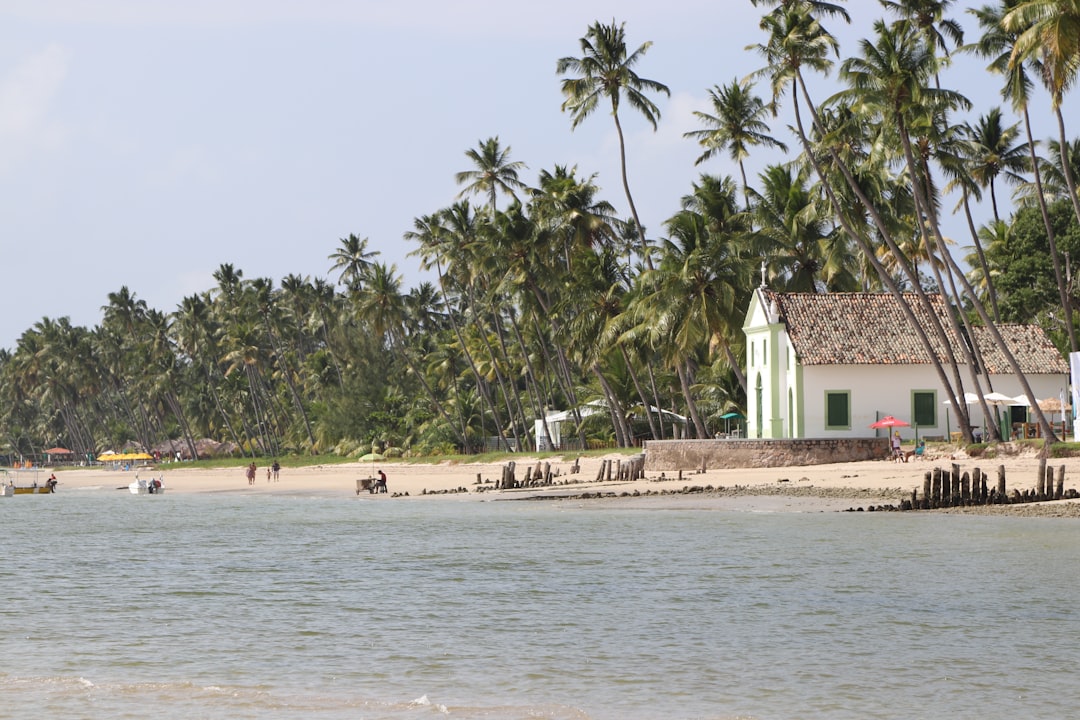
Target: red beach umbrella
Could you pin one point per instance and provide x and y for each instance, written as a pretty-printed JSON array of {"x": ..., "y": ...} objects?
[{"x": 889, "y": 421}]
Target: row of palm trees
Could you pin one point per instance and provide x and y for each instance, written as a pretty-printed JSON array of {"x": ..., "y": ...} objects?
[{"x": 553, "y": 300}]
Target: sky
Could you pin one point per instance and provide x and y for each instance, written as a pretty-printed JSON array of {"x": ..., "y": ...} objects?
[{"x": 144, "y": 143}]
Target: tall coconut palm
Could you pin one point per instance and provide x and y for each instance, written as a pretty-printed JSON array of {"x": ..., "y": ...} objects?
[
  {"x": 928, "y": 16},
  {"x": 1050, "y": 31},
  {"x": 817, "y": 7},
  {"x": 889, "y": 76},
  {"x": 994, "y": 152},
  {"x": 447, "y": 240},
  {"x": 791, "y": 216},
  {"x": 998, "y": 43},
  {"x": 956, "y": 157},
  {"x": 737, "y": 126},
  {"x": 494, "y": 172},
  {"x": 796, "y": 40},
  {"x": 352, "y": 259},
  {"x": 196, "y": 335},
  {"x": 1053, "y": 184},
  {"x": 565, "y": 208},
  {"x": 605, "y": 70}
]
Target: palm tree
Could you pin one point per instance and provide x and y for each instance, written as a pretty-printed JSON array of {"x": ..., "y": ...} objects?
[
  {"x": 606, "y": 70},
  {"x": 889, "y": 78},
  {"x": 737, "y": 125},
  {"x": 566, "y": 210},
  {"x": 1053, "y": 184},
  {"x": 928, "y": 16},
  {"x": 494, "y": 172},
  {"x": 960, "y": 159},
  {"x": 353, "y": 259},
  {"x": 796, "y": 40},
  {"x": 817, "y": 7},
  {"x": 998, "y": 43},
  {"x": 994, "y": 152},
  {"x": 447, "y": 240},
  {"x": 789, "y": 215},
  {"x": 1050, "y": 31}
]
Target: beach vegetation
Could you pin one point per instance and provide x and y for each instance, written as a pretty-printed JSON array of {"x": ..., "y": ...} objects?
[
  {"x": 546, "y": 296},
  {"x": 1064, "y": 450}
]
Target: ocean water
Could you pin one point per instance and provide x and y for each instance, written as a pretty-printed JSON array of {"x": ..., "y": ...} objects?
[{"x": 287, "y": 607}]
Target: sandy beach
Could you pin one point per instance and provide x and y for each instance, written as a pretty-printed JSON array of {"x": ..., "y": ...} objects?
[{"x": 811, "y": 488}]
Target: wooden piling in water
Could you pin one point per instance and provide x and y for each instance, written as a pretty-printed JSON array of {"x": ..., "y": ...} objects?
[{"x": 945, "y": 488}]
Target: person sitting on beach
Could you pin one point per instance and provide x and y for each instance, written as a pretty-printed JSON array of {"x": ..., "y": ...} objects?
[{"x": 918, "y": 452}]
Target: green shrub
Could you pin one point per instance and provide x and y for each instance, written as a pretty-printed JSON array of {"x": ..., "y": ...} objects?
[{"x": 1064, "y": 450}]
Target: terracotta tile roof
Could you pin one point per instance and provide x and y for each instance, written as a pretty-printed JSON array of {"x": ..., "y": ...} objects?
[
  {"x": 870, "y": 329},
  {"x": 1029, "y": 345}
]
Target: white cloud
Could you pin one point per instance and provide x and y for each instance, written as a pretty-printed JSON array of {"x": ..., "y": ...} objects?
[{"x": 27, "y": 93}]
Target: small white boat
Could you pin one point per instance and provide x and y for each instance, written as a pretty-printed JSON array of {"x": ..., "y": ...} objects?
[{"x": 146, "y": 487}]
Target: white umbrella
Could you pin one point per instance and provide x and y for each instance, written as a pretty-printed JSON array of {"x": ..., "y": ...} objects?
[
  {"x": 1000, "y": 400},
  {"x": 970, "y": 398},
  {"x": 1022, "y": 400}
]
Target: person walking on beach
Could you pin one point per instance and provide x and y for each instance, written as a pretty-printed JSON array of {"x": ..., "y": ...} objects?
[
  {"x": 276, "y": 468},
  {"x": 251, "y": 473}
]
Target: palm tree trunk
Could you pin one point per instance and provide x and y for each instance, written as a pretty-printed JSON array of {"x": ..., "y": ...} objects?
[
  {"x": 645, "y": 254},
  {"x": 990, "y": 292},
  {"x": 1066, "y": 167},
  {"x": 481, "y": 384},
  {"x": 1063, "y": 293},
  {"x": 691, "y": 406},
  {"x": 641, "y": 393},
  {"x": 615, "y": 409}
]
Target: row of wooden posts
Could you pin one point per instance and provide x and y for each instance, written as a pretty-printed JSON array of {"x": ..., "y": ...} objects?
[
  {"x": 945, "y": 488},
  {"x": 542, "y": 474}
]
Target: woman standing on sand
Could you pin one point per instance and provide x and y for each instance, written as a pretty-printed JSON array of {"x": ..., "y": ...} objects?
[{"x": 251, "y": 473}]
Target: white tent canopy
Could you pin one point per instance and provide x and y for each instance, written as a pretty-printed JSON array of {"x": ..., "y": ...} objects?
[{"x": 555, "y": 420}]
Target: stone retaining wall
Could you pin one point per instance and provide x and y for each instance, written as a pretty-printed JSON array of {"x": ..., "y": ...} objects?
[{"x": 715, "y": 454}]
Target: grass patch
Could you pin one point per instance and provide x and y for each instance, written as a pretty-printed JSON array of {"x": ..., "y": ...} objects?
[
  {"x": 1064, "y": 450},
  {"x": 500, "y": 457},
  {"x": 297, "y": 461},
  {"x": 978, "y": 450}
]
